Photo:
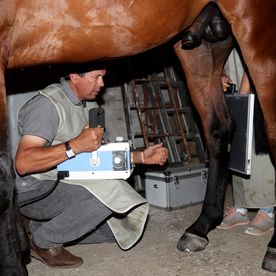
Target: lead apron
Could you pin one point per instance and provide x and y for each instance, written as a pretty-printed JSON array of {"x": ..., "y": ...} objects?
[
  {"x": 122, "y": 199},
  {"x": 117, "y": 195}
]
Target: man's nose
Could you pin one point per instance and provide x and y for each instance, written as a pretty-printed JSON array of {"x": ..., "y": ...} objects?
[{"x": 100, "y": 81}]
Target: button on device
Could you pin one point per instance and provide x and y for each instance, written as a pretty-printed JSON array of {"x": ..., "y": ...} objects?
[{"x": 119, "y": 139}]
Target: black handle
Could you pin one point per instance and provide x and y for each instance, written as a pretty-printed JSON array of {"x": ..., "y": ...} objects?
[
  {"x": 96, "y": 117},
  {"x": 232, "y": 89}
]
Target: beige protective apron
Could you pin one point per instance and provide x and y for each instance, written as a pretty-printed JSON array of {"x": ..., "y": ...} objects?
[
  {"x": 132, "y": 209},
  {"x": 118, "y": 195}
]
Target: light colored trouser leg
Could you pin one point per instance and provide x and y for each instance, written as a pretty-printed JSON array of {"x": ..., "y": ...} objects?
[{"x": 259, "y": 190}]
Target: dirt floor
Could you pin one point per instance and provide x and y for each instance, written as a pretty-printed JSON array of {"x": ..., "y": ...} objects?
[{"x": 229, "y": 253}]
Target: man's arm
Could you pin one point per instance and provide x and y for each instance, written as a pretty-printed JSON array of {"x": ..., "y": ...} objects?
[
  {"x": 152, "y": 155},
  {"x": 33, "y": 156}
]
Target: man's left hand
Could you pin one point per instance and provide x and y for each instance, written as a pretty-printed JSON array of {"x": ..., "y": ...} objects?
[{"x": 156, "y": 154}]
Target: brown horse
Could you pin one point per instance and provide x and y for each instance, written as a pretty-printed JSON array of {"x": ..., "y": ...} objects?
[{"x": 32, "y": 33}]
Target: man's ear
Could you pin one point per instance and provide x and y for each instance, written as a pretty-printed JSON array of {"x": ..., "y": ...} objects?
[{"x": 74, "y": 77}]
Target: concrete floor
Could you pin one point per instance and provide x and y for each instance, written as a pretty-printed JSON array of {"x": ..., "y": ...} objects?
[{"x": 229, "y": 253}]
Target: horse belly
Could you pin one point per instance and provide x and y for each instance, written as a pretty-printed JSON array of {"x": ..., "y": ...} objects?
[{"x": 94, "y": 29}]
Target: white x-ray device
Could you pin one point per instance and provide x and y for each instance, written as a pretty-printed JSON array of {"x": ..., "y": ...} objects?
[{"x": 110, "y": 161}]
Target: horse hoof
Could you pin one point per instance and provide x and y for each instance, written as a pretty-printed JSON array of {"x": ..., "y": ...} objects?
[
  {"x": 269, "y": 262},
  {"x": 190, "y": 242}
]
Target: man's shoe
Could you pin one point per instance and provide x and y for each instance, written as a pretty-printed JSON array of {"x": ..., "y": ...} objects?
[
  {"x": 233, "y": 218},
  {"x": 261, "y": 224},
  {"x": 57, "y": 257}
]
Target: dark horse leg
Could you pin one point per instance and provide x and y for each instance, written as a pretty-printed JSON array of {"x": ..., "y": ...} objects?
[
  {"x": 269, "y": 261},
  {"x": 263, "y": 72},
  {"x": 13, "y": 243},
  {"x": 203, "y": 67}
]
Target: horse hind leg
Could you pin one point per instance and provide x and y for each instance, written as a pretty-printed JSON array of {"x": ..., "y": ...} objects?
[
  {"x": 203, "y": 67},
  {"x": 260, "y": 59},
  {"x": 269, "y": 261},
  {"x": 268, "y": 107}
]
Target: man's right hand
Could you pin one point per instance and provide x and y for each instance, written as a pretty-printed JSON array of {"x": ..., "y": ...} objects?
[{"x": 90, "y": 139}]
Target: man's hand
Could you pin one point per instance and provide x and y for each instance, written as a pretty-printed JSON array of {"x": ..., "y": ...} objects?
[
  {"x": 225, "y": 81},
  {"x": 156, "y": 154},
  {"x": 90, "y": 139}
]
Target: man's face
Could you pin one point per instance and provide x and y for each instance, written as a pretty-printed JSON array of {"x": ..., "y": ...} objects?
[{"x": 88, "y": 86}]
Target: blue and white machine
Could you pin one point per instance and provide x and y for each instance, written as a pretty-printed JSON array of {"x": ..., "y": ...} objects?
[{"x": 110, "y": 161}]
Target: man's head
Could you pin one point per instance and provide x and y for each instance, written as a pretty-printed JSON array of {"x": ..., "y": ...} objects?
[{"x": 87, "y": 85}]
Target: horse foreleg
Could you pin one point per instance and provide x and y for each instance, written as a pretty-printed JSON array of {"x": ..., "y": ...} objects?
[
  {"x": 11, "y": 259},
  {"x": 263, "y": 72},
  {"x": 269, "y": 261},
  {"x": 203, "y": 68},
  {"x": 267, "y": 98},
  {"x": 259, "y": 56}
]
